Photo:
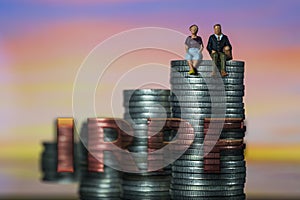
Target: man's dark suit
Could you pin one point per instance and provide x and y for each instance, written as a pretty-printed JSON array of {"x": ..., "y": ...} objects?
[{"x": 218, "y": 46}]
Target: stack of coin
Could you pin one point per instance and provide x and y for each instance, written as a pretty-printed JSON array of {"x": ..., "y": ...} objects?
[
  {"x": 199, "y": 174},
  {"x": 65, "y": 144},
  {"x": 100, "y": 185},
  {"x": 59, "y": 161},
  {"x": 49, "y": 162},
  {"x": 93, "y": 184},
  {"x": 150, "y": 185},
  {"x": 140, "y": 105}
]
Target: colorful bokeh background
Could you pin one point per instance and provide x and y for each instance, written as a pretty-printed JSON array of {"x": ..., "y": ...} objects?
[{"x": 43, "y": 43}]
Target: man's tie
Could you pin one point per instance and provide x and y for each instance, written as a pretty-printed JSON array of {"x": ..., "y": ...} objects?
[{"x": 218, "y": 38}]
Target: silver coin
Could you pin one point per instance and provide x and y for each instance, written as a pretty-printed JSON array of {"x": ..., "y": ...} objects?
[
  {"x": 235, "y": 93},
  {"x": 235, "y": 75},
  {"x": 129, "y": 197},
  {"x": 188, "y": 163},
  {"x": 187, "y": 181},
  {"x": 206, "y": 193},
  {"x": 233, "y": 81},
  {"x": 208, "y": 176},
  {"x": 149, "y": 177},
  {"x": 140, "y": 127},
  {"x": 208, "y": 99},
  {"x": 234, "y": 69},
  {"x": 201, "y": 87},
  {"x": 140, "y": 143},
  {"x": 140, "y": 132},
  {"x": 190, "y": 80},
  {"x": 208, "y": 68},
  {"x": 151, "y": 182},
  {"x": 176, "y": 74},
  {"x": 190, "y": 93},
  {"x": 235, "y": 197},
  {"x": 145, "y": 194},
  {"x": 189, "y": 117},
  {"x": 96, "y": 190},
  {"x": 206, "y": 105},
  {"x": 235, "y": 63},
  {"x": 148, "y": 109},
  {"x": 207, "y": 62},
  {"x": 199, "y": 170},
  {"x": 185, "y": 63},
  {"x": 146, "y": 188},
  {"x": 207, "y": 188},
  {"x": 147, "y": 104},
  {"x": 207, "y": 110},
  {"x": 179, "y": 93},
  {"x": 146, "y": 115},
  {"x": 232, "y": 158},
  {"x": 156, "y": 183},
  {"x": 147, "y": 98},
  {"x": 99, "y": 185},
  {"x": 194, "y": 87},
  {"x": 190, "y": 110},
  {"x": 138, "y": 149},
  {"x": 146, "y": 92},
  {"x": 198, "y": 80},
  {"x": 190, "y": 87},
  {"x": 136, "y": 121},
  {"x": 231, "y": 164}
]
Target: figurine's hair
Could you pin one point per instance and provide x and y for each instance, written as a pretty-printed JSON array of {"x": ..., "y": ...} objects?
[
  {"x": 217, "y": 25},
  {"x": 194, "y": 25}
]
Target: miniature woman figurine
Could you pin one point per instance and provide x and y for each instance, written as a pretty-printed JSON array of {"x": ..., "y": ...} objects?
[{"x": 193, "y": 47}]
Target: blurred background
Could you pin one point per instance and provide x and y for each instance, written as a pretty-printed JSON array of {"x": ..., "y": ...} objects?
[{"x": 43, "y": 43}]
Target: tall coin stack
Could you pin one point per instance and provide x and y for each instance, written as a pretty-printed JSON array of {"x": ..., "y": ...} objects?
[
  {"x": 220, "y": 174},
  {"x": 140, "y": 105},
  {"x": 97, "y": 185}
]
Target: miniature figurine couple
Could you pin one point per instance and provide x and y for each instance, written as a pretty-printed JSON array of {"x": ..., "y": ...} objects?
[{"x": 218, "y": 47}]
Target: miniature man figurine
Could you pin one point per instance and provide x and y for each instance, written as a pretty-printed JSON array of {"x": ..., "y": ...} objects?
[
  {"x": 193, "y": 48},
  {"x": 219, "y": 49}
]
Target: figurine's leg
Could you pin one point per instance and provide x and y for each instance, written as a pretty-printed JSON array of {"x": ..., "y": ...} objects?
[
  {"x": 228, "y": 53},
  {"x": 188, "y": 57},
  {"x": 215, "y": 57},
  {"x": 195, "y": 65},
  {"x": 192, "y": 71},
  {"x": 223, "y": 63}
]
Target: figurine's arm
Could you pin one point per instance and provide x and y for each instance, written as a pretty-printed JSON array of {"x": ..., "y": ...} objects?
[
  {"x": 227, "y": 44},
  {"x": 201, "y": 47},
  {"x": 209, "y": 45},
  {"x": 186, "y": 48}
]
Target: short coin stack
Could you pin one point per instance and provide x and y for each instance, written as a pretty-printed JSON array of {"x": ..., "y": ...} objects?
[
  {"x": 140, "y": 105},
  {"x": 196, "y": 174},
  {"x": 49, "y": 161},
  {"x": 97, "y": 185},
  {"x": 59, "y": 159}
]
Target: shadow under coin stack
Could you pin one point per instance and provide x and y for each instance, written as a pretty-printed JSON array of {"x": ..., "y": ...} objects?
[
  {"x": 195, "y": 176},
  {"x": 140, "y": 105},
  {"x": 103, "y": 182},
  {"x": 59, "y": 159}
]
